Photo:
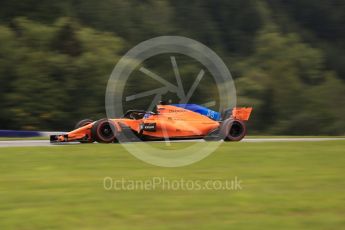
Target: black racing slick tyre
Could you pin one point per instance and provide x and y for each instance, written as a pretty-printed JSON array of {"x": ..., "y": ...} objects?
[
  {"x": 233, "y": 130},
  {"x": 104, "y": 131},
  {"x": 81, "y": 124}
]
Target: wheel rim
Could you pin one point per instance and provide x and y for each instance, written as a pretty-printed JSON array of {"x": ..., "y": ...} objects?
[
  {"x": 106, "y": 130},
  {"x": 236, "y": 129}
]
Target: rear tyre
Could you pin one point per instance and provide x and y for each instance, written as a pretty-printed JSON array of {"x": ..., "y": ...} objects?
[
  {"x": 103, "y": 131},
  {"x": 233, "y": 130},
  {"x": 81, "y": 124}
]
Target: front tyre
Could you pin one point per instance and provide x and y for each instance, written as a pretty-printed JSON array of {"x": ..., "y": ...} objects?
[
  {"x": 103, "y": 131},
  {"x": 81, "y": 124},
  {"x": 233, "y": 130}
]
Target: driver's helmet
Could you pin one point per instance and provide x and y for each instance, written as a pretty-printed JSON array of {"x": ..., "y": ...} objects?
[{"x": 163, "y": 102}]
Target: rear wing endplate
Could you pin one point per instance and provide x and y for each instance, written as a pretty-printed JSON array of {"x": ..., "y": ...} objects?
[{"x": 242, "y": 114}]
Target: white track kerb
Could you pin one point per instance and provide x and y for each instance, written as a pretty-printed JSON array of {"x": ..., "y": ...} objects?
[{"x": 132, "y": 60}]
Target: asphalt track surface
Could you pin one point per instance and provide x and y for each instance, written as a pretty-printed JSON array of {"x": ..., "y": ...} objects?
[{"x": 37, "y": 143}]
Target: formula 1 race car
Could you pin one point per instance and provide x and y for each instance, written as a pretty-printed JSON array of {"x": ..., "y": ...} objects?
[{"x": 175, "y": 121}]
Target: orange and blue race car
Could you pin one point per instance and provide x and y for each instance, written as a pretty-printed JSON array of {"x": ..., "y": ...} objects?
[{"x": 173, "y": 122}]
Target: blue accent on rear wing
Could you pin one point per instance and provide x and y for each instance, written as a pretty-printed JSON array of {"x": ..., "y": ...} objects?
[{"x": 202, "y": 110}]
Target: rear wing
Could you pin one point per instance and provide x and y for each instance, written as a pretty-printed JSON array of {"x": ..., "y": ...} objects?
[{"x": 242, "y": 114}]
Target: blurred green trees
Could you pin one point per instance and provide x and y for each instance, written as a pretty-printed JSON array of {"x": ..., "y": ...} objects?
[
  {"x": 287, "y": 57},
  {"x": 286, "y": 81},
  {"x": 52, "y": 75}
]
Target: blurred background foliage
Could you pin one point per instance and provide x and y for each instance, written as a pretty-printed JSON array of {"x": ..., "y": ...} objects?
[{"x": 287, "y": 57}]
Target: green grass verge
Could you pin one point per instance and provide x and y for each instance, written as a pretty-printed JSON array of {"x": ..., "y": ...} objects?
[{"x": 285, "y": 186}]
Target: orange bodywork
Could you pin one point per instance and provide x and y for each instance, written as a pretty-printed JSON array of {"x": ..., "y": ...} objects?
[
  {"x": 241, "y": 113},
  {"x": 170, "y": 121}
]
